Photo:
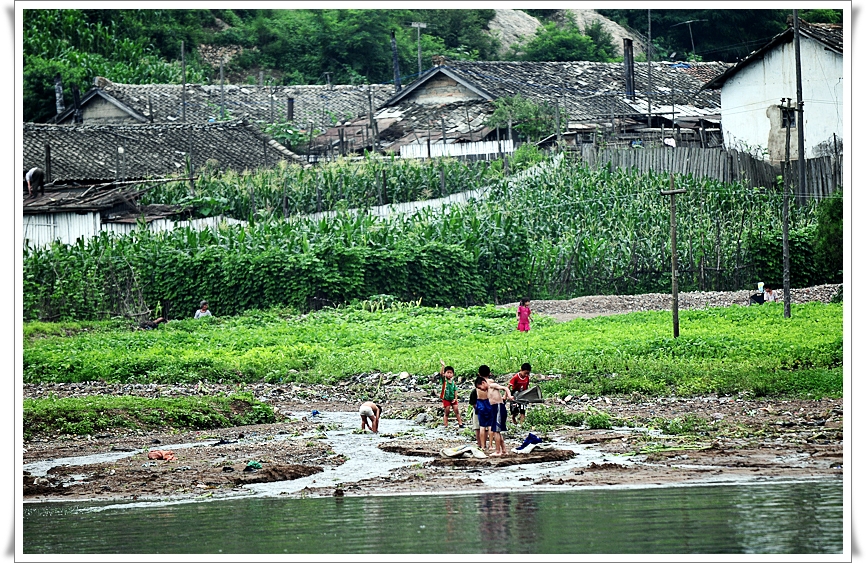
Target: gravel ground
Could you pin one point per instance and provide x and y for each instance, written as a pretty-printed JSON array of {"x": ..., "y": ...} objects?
[{"x": 595, "y": 305}]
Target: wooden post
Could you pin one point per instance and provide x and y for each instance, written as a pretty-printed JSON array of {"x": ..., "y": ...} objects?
[
  {"x": 47, "y": 163},
  {"x": 558, "y": 129},
  {"x": 191, "y": 165},
  {"x": 342, "y": 141},
  {"x": 183, "y": 82},
  {"x": 222, "y": 91},
  {"x": 372, "y": 130},
  {"x": 310, "y": 147},
  {"x": 442, "y": 180},
  {"x": 675, "y": 299},
  {"x": 444, "y": 136}
]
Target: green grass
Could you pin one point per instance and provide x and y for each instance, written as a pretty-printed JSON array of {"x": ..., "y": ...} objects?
[
  {"x": 86, "y": 415},
  {"x": 751, "y": 350}
]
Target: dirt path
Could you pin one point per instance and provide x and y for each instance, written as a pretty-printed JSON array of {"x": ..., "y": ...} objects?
[{"x": 734, "y": 438}]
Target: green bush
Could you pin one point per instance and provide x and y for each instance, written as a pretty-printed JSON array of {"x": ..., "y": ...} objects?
[
  {"x": 86, "y": 415},
  {"x": 829, "y": 243}
]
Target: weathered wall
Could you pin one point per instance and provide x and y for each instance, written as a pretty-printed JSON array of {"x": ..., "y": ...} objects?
[
  {"x": 442, "y": 89},
  {"x": 751, "y": 118},
  {"x": 100, "y": 111}
]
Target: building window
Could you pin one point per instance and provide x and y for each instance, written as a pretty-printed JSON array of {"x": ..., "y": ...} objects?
[{"x": 789, "y": 118}]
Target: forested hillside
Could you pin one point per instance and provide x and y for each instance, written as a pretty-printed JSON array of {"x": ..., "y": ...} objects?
[{"x": 350, "y": 46}]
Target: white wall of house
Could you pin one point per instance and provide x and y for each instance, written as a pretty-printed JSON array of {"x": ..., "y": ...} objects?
[
  {"x": 751, "y": 118},
  {"x": 42, "y": 230}
]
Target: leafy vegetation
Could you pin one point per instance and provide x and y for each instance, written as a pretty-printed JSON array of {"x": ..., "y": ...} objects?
[
  {"x": 79, "y": 45},
  {"x": 566, "y": 42},
  {"x": 829, "y": 240},
  {"x": 340, "y": 46},
  {"x": 87, "y": 415},
  {"x": 530, "y": 120},
  {"x": 717, "y": 35},
  {"x": 752, "y": 350}
]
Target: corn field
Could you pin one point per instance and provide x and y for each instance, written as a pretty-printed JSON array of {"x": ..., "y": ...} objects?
[
  {"x": 562, "y": 232},
  {"x": 290, "y": 189}
]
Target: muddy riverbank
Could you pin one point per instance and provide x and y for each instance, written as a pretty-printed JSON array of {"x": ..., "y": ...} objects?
[
  {"x": 745, "y": 440},
  {"x": 316, "y": 447}
]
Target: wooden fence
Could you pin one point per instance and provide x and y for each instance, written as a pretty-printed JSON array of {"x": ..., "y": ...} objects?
[{"x": 823, "y": 174}]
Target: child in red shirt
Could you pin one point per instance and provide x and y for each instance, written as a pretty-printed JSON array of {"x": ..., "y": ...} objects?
[{"x": 518, "y": 383}]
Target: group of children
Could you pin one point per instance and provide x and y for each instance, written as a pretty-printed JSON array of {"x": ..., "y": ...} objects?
[{"x": 490, "y": 414}]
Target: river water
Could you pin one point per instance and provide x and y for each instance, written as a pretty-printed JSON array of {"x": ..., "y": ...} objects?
[
  {"x": 766, "y": 518},
  {"x": 751, "y": 517}
]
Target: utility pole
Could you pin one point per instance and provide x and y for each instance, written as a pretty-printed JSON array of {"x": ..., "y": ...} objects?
[
  {"x": 786, "y": 252},
  {"x": 801, "y": 154},
  {"x": 419, "y": 26},
  {"x": 689, "y": 23},
  {"x": 675, "y": 298}
]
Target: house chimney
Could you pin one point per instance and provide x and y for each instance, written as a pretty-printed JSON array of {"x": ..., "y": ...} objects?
[
  {"x": 628, "y": 60},
  {"x": 76, "y": 100},
  {"x": 290, "y": 109},
  {"x": 58, "y": 93},
  {"x": 396, "y": 63}
]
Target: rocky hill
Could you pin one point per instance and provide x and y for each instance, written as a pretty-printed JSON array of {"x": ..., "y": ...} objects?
[{"x": 512, "y": 25}]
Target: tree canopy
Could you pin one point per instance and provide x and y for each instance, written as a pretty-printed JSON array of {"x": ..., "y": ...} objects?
[{"x": 345, "y": 46}]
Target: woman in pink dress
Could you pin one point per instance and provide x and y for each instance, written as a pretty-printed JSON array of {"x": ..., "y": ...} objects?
[{"x": 523, "y": 313}]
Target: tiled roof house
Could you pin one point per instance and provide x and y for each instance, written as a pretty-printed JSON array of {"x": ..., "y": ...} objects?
[
  {"x": 93, "y": 153},
  {"x": 109, "y": 102},
  {"x": 461, "y": 92}
]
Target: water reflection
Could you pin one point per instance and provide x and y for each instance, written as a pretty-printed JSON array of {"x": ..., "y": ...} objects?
[{"x": 758, "y": 518}]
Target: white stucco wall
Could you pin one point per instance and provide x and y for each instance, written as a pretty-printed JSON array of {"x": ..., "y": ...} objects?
[{"x": 748, "y": 95}]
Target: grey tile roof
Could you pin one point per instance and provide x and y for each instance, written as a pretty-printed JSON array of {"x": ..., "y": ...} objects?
[
  {"x": 89, "y": 152},
  {"x": 590, "y": 90},
  {"x": 203, "y": 102}
]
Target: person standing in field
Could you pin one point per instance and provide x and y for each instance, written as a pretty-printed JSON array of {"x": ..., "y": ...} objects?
[
  {"x": 449, "y": 393},
  {"x": 523, "y": 314},
  {"x": 202, "y": 311},
  {"x": 370, "y": 414},
  {"x": 519, "y": 382}
]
